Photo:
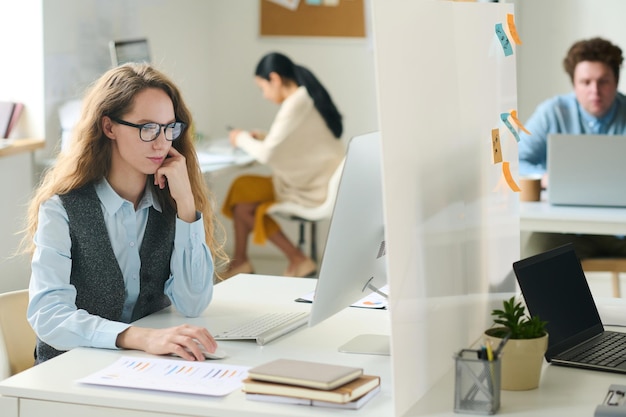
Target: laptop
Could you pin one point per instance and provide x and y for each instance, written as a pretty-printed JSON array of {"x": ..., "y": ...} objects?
[
  {"x": 555, "y": 288},
  {"x": 586, "y": 170}
]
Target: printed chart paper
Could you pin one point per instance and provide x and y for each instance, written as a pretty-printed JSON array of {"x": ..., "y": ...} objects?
[
  {"x": 373, "y": 300},
  {"x": 205, "y": 378}
]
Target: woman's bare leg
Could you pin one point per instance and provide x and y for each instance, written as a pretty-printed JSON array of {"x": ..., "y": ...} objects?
[
  {"x": 243, "y": 219},
  {"x": 294, "y": 255}
]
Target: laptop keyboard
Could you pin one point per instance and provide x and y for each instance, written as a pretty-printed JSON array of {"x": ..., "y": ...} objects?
[
  {"x": 608, "y": 350},
  {"x": 265, "y": 328}
]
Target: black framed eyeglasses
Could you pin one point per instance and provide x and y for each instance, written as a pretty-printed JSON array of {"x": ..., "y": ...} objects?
[{"x": 150, "y": 131}]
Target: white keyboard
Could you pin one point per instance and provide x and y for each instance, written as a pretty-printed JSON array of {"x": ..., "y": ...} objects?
[{"x": 265, "y": 328}]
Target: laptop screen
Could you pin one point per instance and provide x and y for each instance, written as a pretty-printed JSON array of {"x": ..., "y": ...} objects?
[
  {"x": 555, "y": 288},
  {"x": 586, "y": 170}
]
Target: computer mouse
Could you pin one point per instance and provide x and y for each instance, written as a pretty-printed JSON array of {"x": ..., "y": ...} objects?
[{"x": 218, "y": 354}]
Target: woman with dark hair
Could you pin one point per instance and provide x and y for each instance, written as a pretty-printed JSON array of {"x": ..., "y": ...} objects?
[{"x": 302, "y": 148}]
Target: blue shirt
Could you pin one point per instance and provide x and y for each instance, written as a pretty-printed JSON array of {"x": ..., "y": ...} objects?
[
  {"x": 52, "y": 310},
  {"x": 563, "y": 114}
]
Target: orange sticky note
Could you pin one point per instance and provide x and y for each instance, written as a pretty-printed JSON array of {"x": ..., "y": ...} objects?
[
  {"x": 519, "y": 124},
  {"x": 506, "y": 171},
  {"x": 495, "y": 146},
  {"x": 510, "y": 22}
]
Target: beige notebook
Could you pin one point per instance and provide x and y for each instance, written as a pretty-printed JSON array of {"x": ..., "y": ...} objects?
[
  {"x": 340, "y": 395},
  {"x": 305, "y": 374}
]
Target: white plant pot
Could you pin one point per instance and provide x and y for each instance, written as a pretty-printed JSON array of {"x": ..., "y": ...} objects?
[{"x": 522, "y": 360}]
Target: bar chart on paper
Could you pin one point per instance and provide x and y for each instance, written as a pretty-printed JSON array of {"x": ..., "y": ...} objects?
[{"x": 205, "y": 378}]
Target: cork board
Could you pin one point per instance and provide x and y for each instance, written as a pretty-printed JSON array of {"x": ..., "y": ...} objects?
[{"x": 345, "y": 19}]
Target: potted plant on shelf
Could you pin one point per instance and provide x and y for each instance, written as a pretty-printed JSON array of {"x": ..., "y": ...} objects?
[{"x": 522, "y": 354}]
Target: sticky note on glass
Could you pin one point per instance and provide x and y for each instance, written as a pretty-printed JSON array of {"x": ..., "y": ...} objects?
[
  {"x": 506, "y": 171},
  {"x": 519, "y": 124},
  {"x": 505, "y": 119},
  {"x": 495, "y": 146},
  {"x": 504, "y": 40},
  {"x": 289, "y": 4},
  {"x": 510, "y": 22}
]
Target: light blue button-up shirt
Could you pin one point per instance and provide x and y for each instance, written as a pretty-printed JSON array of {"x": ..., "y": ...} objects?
[
  {"x": 563, "y": 114},
  {"x": 52, "y": 309}
]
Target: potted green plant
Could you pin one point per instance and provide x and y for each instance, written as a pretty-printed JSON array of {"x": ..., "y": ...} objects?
[{"x": 522, "y": 355}]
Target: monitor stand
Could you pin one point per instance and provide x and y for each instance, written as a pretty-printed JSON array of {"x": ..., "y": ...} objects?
[{"x": 369, "y": 344}]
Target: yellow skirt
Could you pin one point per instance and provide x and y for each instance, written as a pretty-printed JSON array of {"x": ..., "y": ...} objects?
[{"x": 253, "y": 189}]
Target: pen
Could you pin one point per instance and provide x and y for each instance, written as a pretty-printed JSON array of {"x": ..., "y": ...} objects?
[
  {"x": 489, "y": 350},
  {"x": 502, "y": 343}
]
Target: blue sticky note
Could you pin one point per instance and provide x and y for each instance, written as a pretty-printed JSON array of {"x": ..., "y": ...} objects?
[
  {"x": 314, "y": 2},
  {"x": 505, "y": 119},
  {"x": 504, "y": 40}
]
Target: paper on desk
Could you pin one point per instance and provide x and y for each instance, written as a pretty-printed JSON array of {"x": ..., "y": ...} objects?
[
  {"x": 174, "y": 375},
  {"x": 5, "y": 142},
  {"x": 205, "y": 158},
  {"x": 373, "y": 300}
]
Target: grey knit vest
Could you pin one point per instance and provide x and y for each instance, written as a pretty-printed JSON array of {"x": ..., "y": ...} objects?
[{"x": 95, "y": 272}]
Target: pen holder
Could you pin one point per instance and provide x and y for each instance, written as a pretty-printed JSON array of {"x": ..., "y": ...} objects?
[{"x": 476, "y": 383}]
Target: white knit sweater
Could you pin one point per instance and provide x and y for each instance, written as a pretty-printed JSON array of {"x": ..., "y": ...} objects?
[{"x": 300, "y": 150}]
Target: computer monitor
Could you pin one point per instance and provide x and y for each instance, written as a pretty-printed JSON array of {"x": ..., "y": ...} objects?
[
  {"x": 135, "y": 50},
  {"x": 354, "y": 261}
]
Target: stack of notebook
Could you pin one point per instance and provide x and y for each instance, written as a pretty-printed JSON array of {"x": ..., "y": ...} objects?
[{"x": 310, "y": 383}]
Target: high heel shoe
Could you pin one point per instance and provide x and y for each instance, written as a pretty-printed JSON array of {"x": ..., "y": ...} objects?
[
  {"x": 244, "y": 268},
  {"x": 305, "y": 268}
]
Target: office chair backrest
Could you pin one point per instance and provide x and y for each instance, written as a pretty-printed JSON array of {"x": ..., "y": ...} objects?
[
  {"x": 17, "y": 338},
  {"x": 311, "y": 215},
  {"x": 323, "y": 211},
  {"x": 333, "y": 187}
]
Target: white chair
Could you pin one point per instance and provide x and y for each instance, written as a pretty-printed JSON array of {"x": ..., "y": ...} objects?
[
  {"x": 17, "y": 338},
  {"x": 311, "y": 215}
]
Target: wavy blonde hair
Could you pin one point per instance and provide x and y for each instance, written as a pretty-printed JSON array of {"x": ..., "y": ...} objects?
[{"x": 88, "y": 158}]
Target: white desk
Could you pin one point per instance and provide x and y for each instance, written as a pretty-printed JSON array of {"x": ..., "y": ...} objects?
[
  {"x": 562, "y": 392},
  {"x": 50, "y": 388},
  {"x": 543, "y": 217}
]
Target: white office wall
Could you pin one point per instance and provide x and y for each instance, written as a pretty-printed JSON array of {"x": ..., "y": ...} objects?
[
  {"x": 76, "y": 46},
  {"x": 21, "y": 79},
  {"x": 452, "y": 222}
]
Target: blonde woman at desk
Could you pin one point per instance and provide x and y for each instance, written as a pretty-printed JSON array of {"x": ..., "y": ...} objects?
[
  {"x": 121, "y": 226},
  {"x": 302, "y": 148}
]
